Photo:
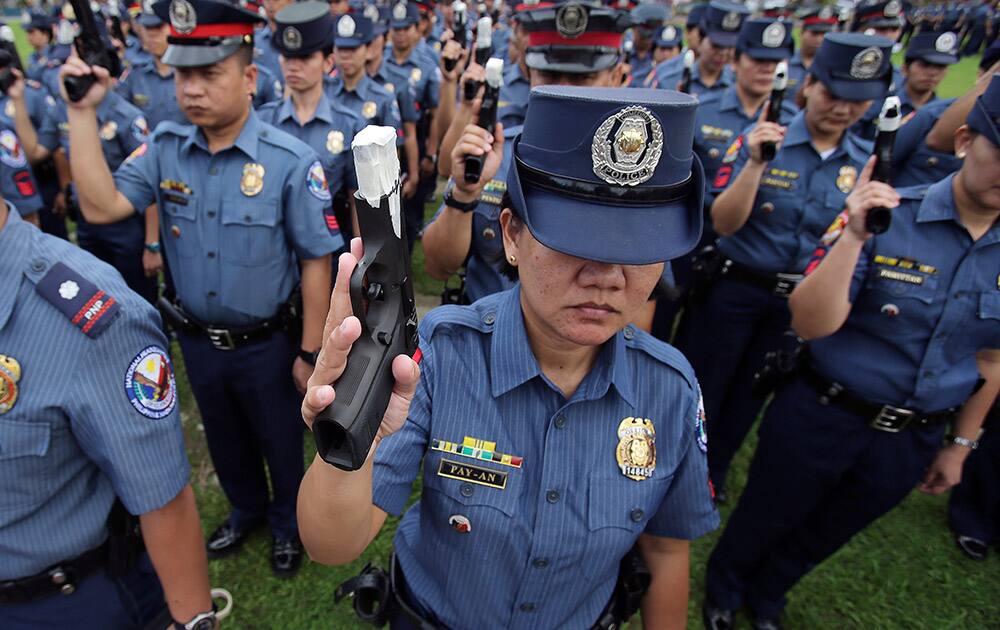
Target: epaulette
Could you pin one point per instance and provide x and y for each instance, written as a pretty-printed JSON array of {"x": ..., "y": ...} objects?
[
  {"x": 269, "y": 134},
  {"x": 87, "y": 307},
  {"x": 171, "y": 127},
  {"x": 662, "y": 352},
  {"x": 917, "y": 192},
  {"x": 444, "y": 317}
]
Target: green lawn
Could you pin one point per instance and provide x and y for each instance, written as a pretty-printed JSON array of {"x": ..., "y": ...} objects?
[{"x": 903, "y": 572}]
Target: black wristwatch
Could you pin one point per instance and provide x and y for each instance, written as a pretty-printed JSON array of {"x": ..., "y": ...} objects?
[
  {"x": 309, "y": 357},
  {"x": 451, "y": 202}
]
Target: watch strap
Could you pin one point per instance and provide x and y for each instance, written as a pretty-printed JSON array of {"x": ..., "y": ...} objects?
[
  {"x": 309, "y": 357},
  {"x": 461, "y": 206},
  {"x": 966, "y": 442}
]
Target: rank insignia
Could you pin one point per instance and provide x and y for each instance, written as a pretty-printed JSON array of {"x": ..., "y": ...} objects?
[
  {"x": 369, "y": 109},
  {"x": 109, "y": 130},
  {"x": 846, "y": 178},
  {"x": 477, "y": 449},
  {"x": 138, "y": 153},
  {"x": 460, "y": 523},
  {"x": 252, "y": 181},
  {"x": 8, "y": 109},
  {"x": 627, "y": 147},
  {"x": 335, "y": 142},
  {"x": 140, "y": 100},
  {"x": 636, "y": 452},
  {"x": 150, "y": 384},
  {"x": 175, "y": 186},
  {"x": 87, "y": 307},
  {"x": 473, "y": 474},
  {"x": 10, "y": 374}
]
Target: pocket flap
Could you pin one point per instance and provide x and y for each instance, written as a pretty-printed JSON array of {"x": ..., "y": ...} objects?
[
  {"x": 250, "y": 212},
  {"x": 989, "y": 305},
  {"x": 471, "y": 482},
  {"x": 624, "y": 503},
  {"x": 23, "y": 439}
]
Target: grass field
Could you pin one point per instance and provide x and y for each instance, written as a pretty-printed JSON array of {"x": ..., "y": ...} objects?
[{"x": 903, "y": 572}]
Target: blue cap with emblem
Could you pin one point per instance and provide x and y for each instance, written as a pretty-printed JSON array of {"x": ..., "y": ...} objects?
[
  {"x": 148, "y": 18},
  {"x": 694, "y": 15},
  {"x": 854, "y": 67},
  {"x": 990, "y": 56},
  {"x": 204, "y": 32},
  {"x": 878, "y": 14},
  {"x": 352, "y": 31},
  {"x": 379, "y": 17},
  {"x": 38, "y": 21},
  {"x": 766, "y": 39},
  {"x": 985, "y": 115},
  {"x": 818, "y": 19},
  {"x": 650, "y": 12},
  {"x": 404, "y": 14},
  {"x": 620, "y": 185},
  {"x": 303, "y": 28},
  {"x": 668, "y": 37},
  {"x": 722, "y": 22},
  {"x": 937, "y": 48},
  {"x": 574, "y": 37}
]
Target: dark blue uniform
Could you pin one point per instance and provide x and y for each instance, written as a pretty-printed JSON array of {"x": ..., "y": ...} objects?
[{"x": 913, "y": 162}]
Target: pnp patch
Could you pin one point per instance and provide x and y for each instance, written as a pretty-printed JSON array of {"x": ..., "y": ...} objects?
[{"x": 87, "y": 307}]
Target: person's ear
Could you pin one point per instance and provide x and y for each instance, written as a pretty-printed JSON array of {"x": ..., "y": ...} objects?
[
  {"x": 963, "y": 140},
  {"x": 511, "y": 228}
]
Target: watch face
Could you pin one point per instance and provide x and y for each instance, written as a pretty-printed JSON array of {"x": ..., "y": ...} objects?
[{"x": 205, "y": 623}]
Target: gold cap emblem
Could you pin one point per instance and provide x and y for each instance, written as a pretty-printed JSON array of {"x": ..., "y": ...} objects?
[{"x": 627, "y": 147}]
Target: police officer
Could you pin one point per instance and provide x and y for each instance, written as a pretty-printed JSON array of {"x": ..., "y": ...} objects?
[
  {"x": 304, "y": 39},
  {"x": 816, "y": 23},
  {"x": 466, "y": 230},
  {"x": 18, "y": 182},
  {"x": 926, "y": 64},
  {"x": 882, "y": 18},
  {"x": 513, "y": 103},
  {"x": 533, "y": 532},
  {"x": 265, "y": 54},
  {"x": 243, "y": 207},
  {"x": 718, "y": 31},
  {"x": 647, "y": 19},
  {"x": 667, "y": 44},
  {"x": 896, "y": 355},
  {"x": 150, "y": 85},
  {"x": 38, "y": 30},
  {"x": 111, "y": 430},
  {"x": 769, "y": 215}
]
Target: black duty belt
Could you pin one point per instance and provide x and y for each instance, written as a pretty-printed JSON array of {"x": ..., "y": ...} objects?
[
  {"x": 778, "y": 284},
  {"x": 61, "y": 578},
  {"x": 882, "y": 417},
  {"x": 225, "y": 338}
]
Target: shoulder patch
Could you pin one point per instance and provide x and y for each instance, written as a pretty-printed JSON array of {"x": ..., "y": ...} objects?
[
  {"x": 662, "y": 352},
  {"x": 701, "y": 434},
  {"x": 316, "y": 182},
  {"x": 140, "y": 128},
  {"x": 87, "y": 307},
  {"x": 150, "y": 384},
  {"x": 11, "y": 153},
  {"x": 138, "y": 153}
]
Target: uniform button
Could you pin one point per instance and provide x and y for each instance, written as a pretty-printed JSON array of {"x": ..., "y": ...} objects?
[
  {"x": 932, "y": 161},
  {"x": 637, "y": 515},
  {"x": 767, "y": 206},
  {"x": 540, "y": 563},
  {"x": 38, "y": 265},
  {"x": 489, "y": 318},
  {"x": 528, "y": 607},
  {"x": 213, "y": 171},
  {"x": 211, "y": 254},
  {"x": 713, "y": 153},
  {"x": 211, "y": 214},
  {"x": 823, "y": 400},
  {"x": 552, "y": 496},
  {"x": 466, "y": 490},
  {"x": 629, "y": 332},
  {"x": 561, "y": 421},
  {"x": 211, "y": 294},
  {"x": 246, "y": 218},
  {"x": 489, "y": 234}
]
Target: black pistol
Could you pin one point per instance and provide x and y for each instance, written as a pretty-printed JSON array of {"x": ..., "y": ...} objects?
[
  {"x": 91, "y": 49},
  {"x": 769, "y": 149},
  {"x": 7, "y": 44},
  {"x": 686, "y": 73},
  {"x": 487, "y": 115},
  {"x": 459, "y": 24},
  {"x": 878, "y": 220},
  {"x": 382, "y": 298}
]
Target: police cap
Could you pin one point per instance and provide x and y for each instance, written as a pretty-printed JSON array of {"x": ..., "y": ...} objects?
[
  {"x": 694, "y": 15},
  {"x": 668, "y": 36},
  {"x": 937, "y": 48},
  {"x": 878, "y": 14},
  {"x": 148, "y": 18},
  {"x": 203, "y": 32},
  {"x": 574, "y": 37},
  {"x": 766, "y": 39},
  {"x": 404, "y": 14},
  {"x": 819, "y": 19},
  {"x": 352, "y": 31},
  {"x": 722, "y": 22},
  {"x": 303, "y": 28},
  {"x": 985, "y": 115},
  {"x": 854, "y": 67}
]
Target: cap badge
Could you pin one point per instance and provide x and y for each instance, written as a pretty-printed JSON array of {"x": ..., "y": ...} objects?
[
  {"x": 368, "y": 109},
  {"x": 335, "y": 142},
  {"x": 774, "y": 35},
  {"x": 945, "y": 42},
  {"x": 636, "y": 452},
  {"x": 669, "y": 33},
  {"x": 10, "y": 374},
  {"x": 825, "y": 13},
  {"x": 866, "y": 63},
  {"x": 346, "y": 27},
  {"x": 183, "y": 17},
  {"x": 252, "y": 181},
  {"x": 291, "y": 38},
  {"x": 371, "y": 12},
  {"x": 571, "y": 20},
  {"x": 892, "y": 8},
  {"x": 627, "y": 147},
  {"x": 731, "y": 21},
  {"x": 399, "y": 12}
]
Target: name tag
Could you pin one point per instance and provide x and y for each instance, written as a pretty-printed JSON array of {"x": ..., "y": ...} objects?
[
  {"x": 473, "y": 474},
  {"x": 902, "y": 276}
]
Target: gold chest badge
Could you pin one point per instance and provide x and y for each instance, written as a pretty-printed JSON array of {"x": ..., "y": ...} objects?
[
  {"x": 8, "y": 109},
  {"x": 109, "y": 130},
  {"x": 10, "y": 374},
  {"x": 415, "y": 75},
  {"x": 636, "y": 452},
  {"x": 252, "y": 181},
  {"x": 845, "y": 180},
  {"x": 335, "y": 142},
  {"x": 368, "y": 109}
]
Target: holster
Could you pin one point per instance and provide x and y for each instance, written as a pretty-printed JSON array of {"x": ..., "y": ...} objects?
[
  {"x": 125, "y": 543},
  {"x": 455, "y": 295},
  {"x": 705, "y": 270},
  {"x": 778, "y": 369},
  {"x": 371, "y": 592}
]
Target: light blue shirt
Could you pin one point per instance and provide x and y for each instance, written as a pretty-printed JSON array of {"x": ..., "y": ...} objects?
[
  {"x": 95, "y": 415},
  {"x": 368, "y": 99},
  {"x": 542, "y": 551},
  {"x": 153, "y": 93}
]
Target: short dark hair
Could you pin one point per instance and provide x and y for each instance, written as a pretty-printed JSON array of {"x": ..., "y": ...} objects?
[{"x": 244, "y": 54}]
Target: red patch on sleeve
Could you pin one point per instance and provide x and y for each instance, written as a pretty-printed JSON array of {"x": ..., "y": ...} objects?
[
  {"x": 722, "y": 176},
  {"x": 22, "y": 179}
]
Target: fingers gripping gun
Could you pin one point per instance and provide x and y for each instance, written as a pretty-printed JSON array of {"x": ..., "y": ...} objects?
[
  {"x": 92, "y": 51},
  {"x": 382, "y": 298},
  {"x": 878, "y": 220},
  {"x": 686, "y": 73},
  {"x": 487, "y": 116},
  {"x": 459, "y": 24},
  {"x": 770, "y": 149}
]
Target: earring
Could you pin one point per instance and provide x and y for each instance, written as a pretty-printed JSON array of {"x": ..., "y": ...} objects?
[
  {"x": 512, "y": 259},
  {"x": 960, "y": 155}
]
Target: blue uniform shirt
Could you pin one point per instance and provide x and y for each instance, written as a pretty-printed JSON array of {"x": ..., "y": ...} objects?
[
  {"x": 512, "y": 104},
  {"x": 666, "y": 76},
  {"x": 913, "y": 162},
  {"x": 543, "y": 550},
  {"x": 234, "y": 224},
  {"x": 797, "y": 73},
  {"x": 265, "y": 55},
  {"x": 867, "y": 126},
  {"x": 422, "y": 75},
  {"x": 641, "y": 68},
  {"x": 41, "y": 107},
  {"x": 369, "y": 99},
  {"x": 153, "y": 93},
  {"x": 401, "y": 90},
  {"x": 135, "y": 53},
  {"x": 925, "y": 299},
  {"x": 329, "y": 133},
  {"x": 95, "y": 413},
  {"x": 17, "y": 182},
  {"x": 269, "y": 87},
  {"x": 37, "y": 61},
  {"x": 120, "y": 124},
  {"x": 799, "y": 195}
]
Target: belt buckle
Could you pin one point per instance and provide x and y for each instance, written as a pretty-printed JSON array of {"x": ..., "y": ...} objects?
[
  {"x": 221, "y": 338},
  {"x": 785, "y": 284},
  {"x": 892, "y": 419}
]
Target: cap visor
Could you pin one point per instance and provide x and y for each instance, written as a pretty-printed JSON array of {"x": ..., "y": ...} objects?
[
  {"x": 940, "y": 59},
  {"x": 768, "y": 54},
  {"x": 628, "y": 234},
  {"x": 150, "y": 21},
  {"x": 724, "y": 39},
  {"x": 194, "y": 56},
  {"x": 818, "y": 28},
  {"x": 347, "y": 42},
  {"x": 570, "y": 60},
  {"x": 857, "y": 90}
]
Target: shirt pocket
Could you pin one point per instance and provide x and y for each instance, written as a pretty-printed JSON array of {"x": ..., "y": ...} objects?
[
  {"x": 989, "y": 305},
  {"x": 250, "y": 238},
  {"x": 23, "y": 465},
  {"x": 907, "y": 284},
  {"x": 180, "y": 227},
  {"x": 618, "y": 509}
]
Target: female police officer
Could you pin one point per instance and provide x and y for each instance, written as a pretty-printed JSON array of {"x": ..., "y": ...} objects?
[
  {"x": 770, "y": 214},
  {"x": 904, "y": 324},
  {"x": 591, "y": 429}
]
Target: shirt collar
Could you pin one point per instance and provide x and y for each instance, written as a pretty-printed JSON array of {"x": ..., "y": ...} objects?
[
  {"x": 939, "y": 203},
  {"x": 323, "y": 111},
  {"x": 797, "y": 132},
  {"x": 245, "y": 142},
  {"x": 15, "y": 244},
  {"x": 730, "y": 100}
]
